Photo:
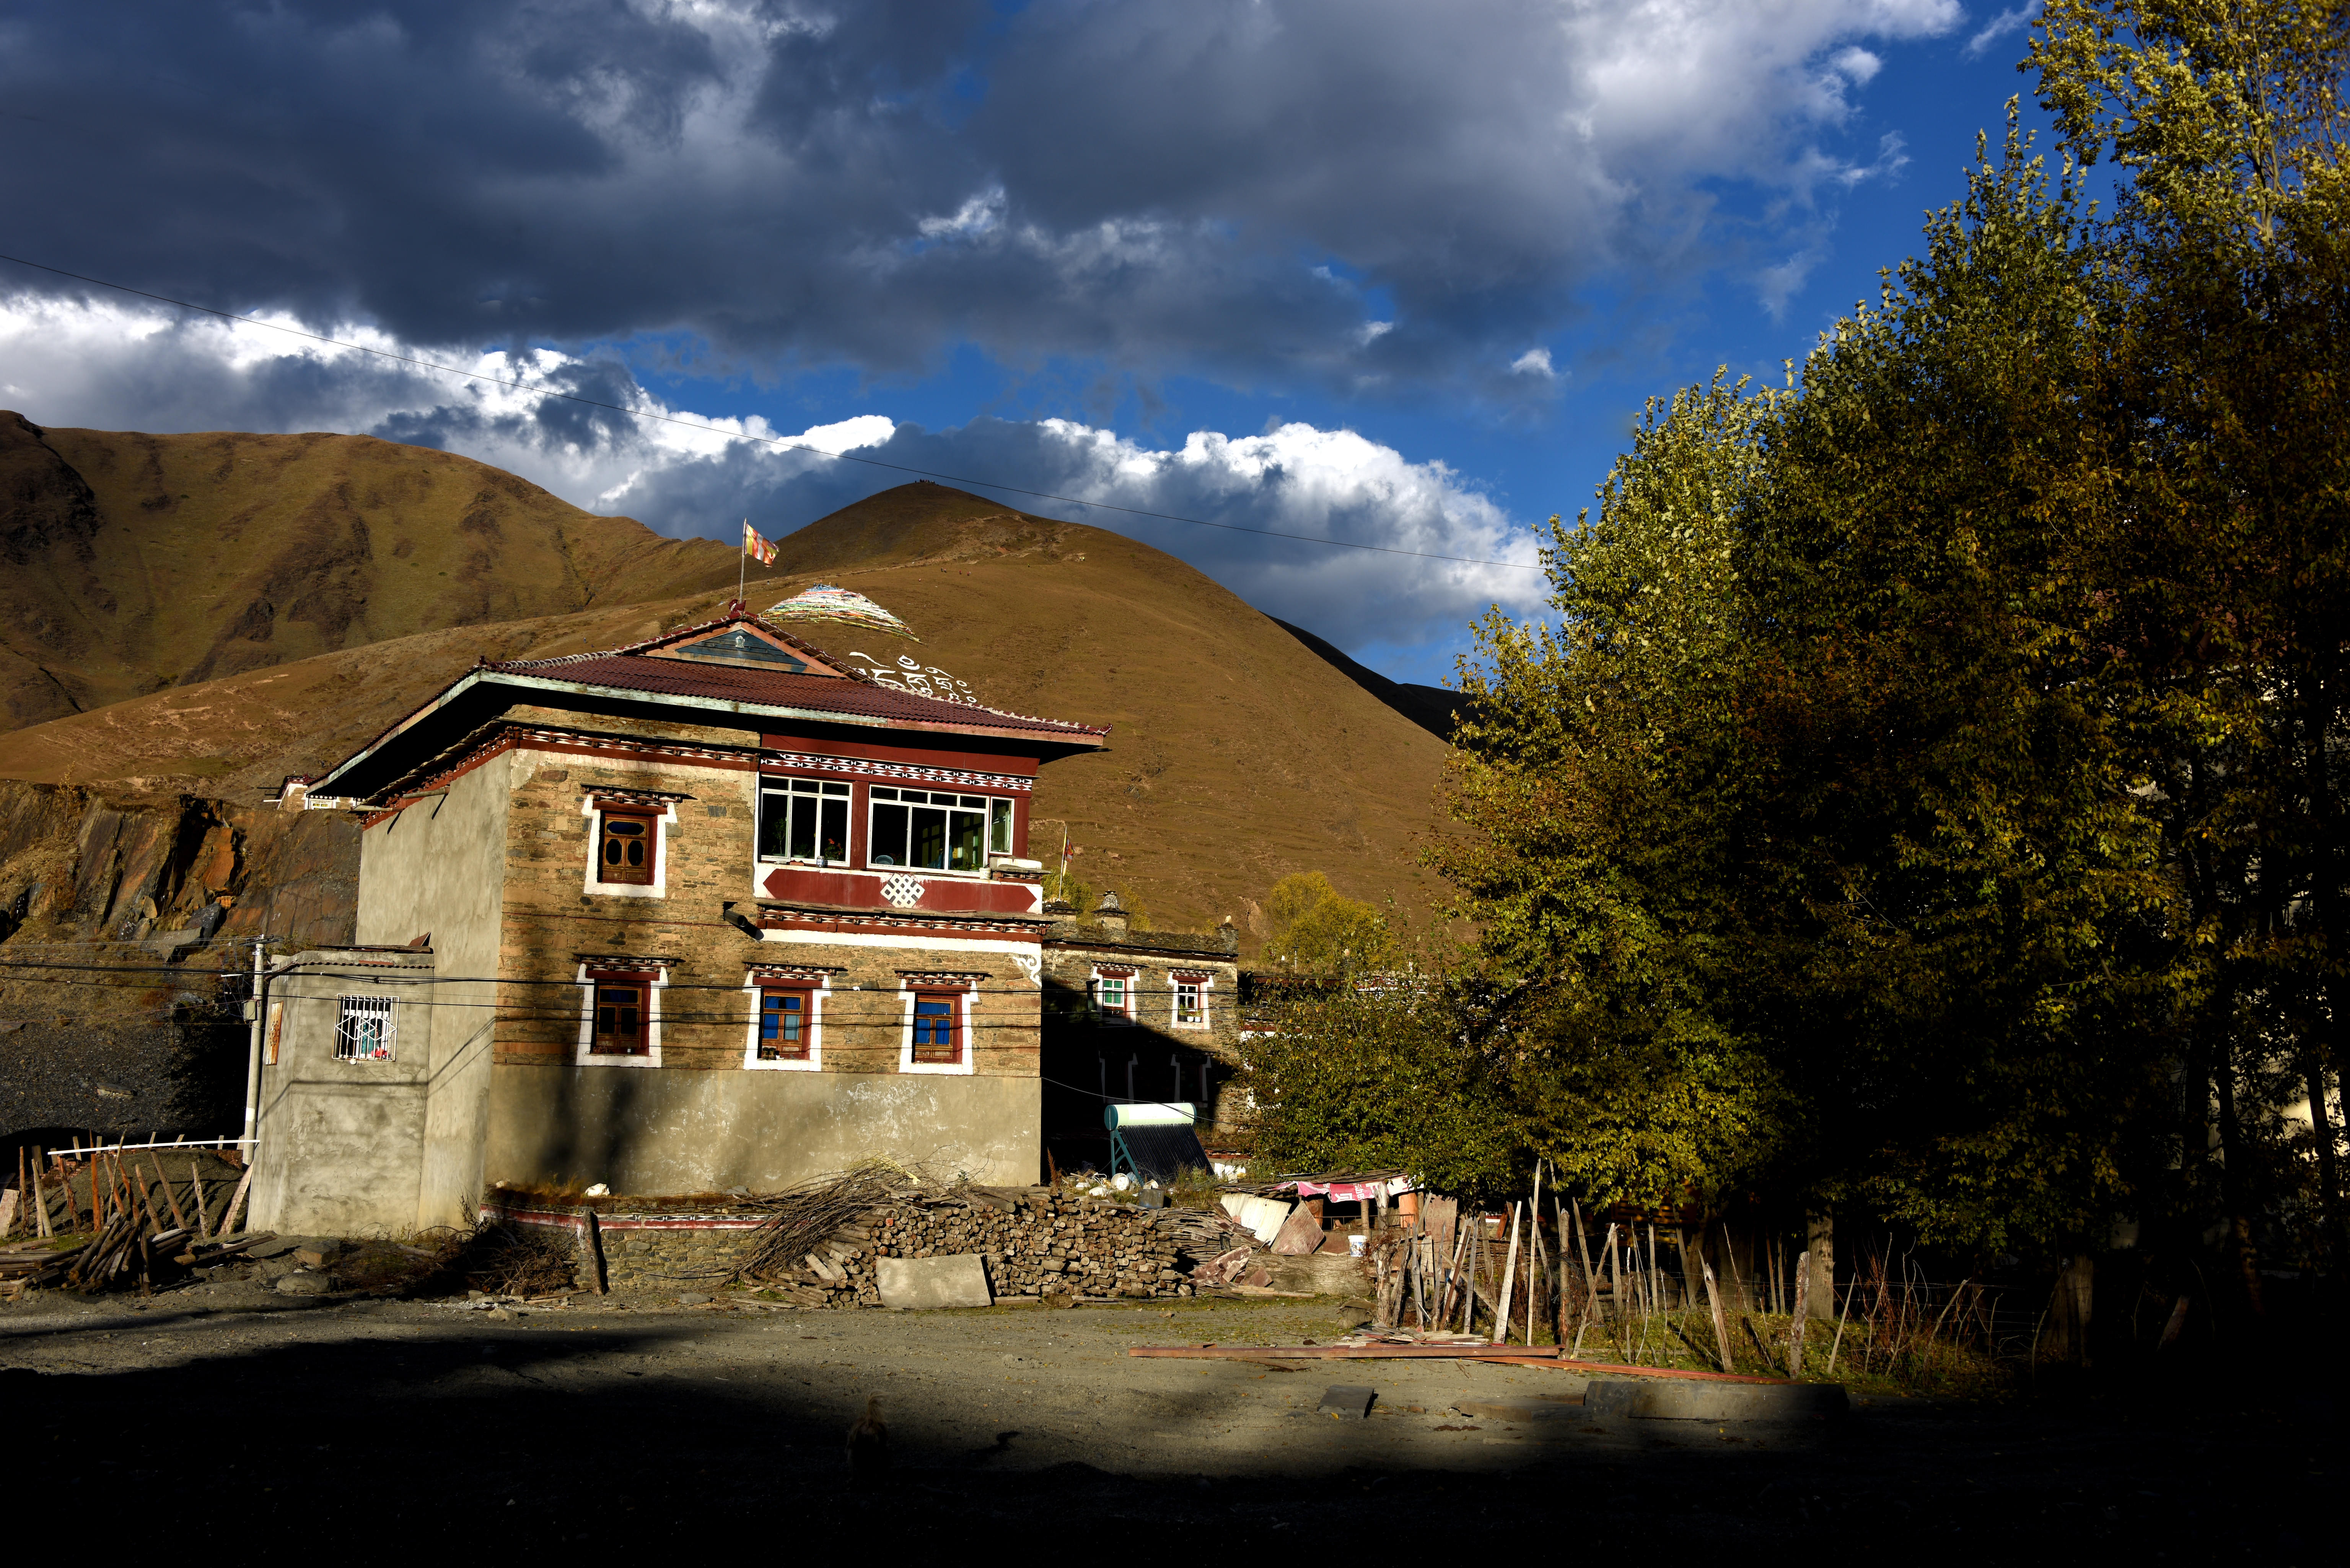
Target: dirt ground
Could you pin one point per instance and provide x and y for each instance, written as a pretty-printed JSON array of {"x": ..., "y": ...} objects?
[{"x": 621, "y": 1422}]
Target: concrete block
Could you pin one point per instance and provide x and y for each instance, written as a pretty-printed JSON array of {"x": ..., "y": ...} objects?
[
  {"x": 922, "y": 1284},
  {"x": 1347, "y": 1402}
]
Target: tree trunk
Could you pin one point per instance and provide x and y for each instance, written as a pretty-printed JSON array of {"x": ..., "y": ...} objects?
[{"x": 1819, "y": 1266}]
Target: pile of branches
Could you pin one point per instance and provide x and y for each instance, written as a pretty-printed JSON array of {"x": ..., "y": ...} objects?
[
  {"x": 804, "y": 1217},
  {"x": 519, "y": 1260}
]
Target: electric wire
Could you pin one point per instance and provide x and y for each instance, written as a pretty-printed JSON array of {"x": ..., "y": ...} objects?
[{"x": 780, "y": 442}]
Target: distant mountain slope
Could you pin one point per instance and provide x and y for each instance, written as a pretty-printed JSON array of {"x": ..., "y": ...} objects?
[
  {"x": 1239, "y": 753},
  {"x": 132, "y": 563},
  {"x": 1430, "y": 707}
]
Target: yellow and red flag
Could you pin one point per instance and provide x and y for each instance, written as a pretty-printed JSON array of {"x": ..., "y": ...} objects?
[{"x": 757, "y": 549}]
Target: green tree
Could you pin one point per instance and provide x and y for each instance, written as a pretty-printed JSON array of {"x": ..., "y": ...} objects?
[{"x": 1312, "y": 928}]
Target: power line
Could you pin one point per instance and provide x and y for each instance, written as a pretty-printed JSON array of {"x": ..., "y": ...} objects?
[{"x": 778, "y": 442}]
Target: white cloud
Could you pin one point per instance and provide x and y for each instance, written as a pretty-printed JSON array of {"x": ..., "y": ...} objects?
[
  {"x": 2014, "y": 19},
  {"x": 1534, "y": 362},
  {"x": 73, "y": 364}
]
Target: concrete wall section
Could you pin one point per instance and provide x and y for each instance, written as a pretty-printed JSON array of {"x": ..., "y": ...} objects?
[
  {"x": 433, "y": 866},
  {"x": 672, "y": 1131},
  {"x": 342, "y": 1142}
]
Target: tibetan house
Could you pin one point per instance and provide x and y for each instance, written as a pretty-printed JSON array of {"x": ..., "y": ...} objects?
[{"x": 719, "y": 910}]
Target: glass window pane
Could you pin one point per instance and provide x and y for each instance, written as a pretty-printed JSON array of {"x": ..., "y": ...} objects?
[
  {"x": 803, "y": 828},
  {"x": 836, "y": 789},
  {"x": 775, "y": 816},
  {"x": 999, "y": 832},
  {"x": 972, "y": 802},
  {"x": 832, "y": 838},
  {"x": 889, "y": 846},
  {"x": 882, "y": 793},
  {"x": 927, "y": 844},
  {"x": 965, "y": 852},
  {"x": 804, "y": 786}
]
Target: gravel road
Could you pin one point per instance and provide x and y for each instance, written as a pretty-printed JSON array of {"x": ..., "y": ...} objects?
[{"x": 617, "y": 1421}]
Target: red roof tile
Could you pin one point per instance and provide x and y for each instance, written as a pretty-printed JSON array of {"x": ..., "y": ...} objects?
[{"x": 775, "y": 689}]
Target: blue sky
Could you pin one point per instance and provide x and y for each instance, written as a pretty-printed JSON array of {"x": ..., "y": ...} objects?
[{"x": 1364, "y": 269}]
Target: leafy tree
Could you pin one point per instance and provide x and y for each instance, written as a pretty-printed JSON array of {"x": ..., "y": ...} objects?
[
  {"x": 1315, "y": 929},
  {"x": 2230, "y": 590}
]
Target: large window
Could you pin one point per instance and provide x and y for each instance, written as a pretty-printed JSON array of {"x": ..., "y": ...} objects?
[
  {"x": 1190, "y": 1001},
  {"x": 803, "y": 819},
  {"x": 363, "y": 1028},
  {"x": 932, "y": 830}
]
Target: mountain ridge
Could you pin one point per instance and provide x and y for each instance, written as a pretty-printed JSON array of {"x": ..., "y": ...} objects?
[{"x": 1240, "y": 752}]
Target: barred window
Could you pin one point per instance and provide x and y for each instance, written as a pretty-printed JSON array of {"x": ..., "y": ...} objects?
[{"x": 364, "y": 1028}]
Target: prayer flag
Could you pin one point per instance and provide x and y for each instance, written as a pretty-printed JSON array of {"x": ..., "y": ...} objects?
[{"x": 755, "y": 547}]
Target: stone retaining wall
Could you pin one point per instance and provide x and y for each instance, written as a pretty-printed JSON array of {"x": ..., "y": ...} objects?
[{"x": 1032, "y": 1241}]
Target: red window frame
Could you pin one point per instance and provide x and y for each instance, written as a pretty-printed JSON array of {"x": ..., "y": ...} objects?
[
  {"x": 613, "y": 863},
  {"x": 937, "y": 1025},
  {"x": 775, "y": 1010},
  {"x": 614, "y": 998}
]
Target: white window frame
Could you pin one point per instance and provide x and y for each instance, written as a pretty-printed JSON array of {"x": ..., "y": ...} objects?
[
  {"x": 986, "y": 828},
  {"x": 586, "y": 1056},
  {"x": 963, "y": 989},
  {"x": 383, "y": 1010},
  {"x": 767, "y": 783},
  {"x": 1129, "y": 978},
  {"x": 817, "y": 986},
  {"x": 656, "y": 888},
  {"x": 1176, "y": 982}
]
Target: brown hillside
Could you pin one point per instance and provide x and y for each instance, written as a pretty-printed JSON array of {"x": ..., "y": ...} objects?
[
  {"x": 132, "y": 562},
  {"x": 1238, "y": 756}
]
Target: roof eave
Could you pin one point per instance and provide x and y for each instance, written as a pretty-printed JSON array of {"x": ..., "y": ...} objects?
[{"x": 1078, "y": 738}]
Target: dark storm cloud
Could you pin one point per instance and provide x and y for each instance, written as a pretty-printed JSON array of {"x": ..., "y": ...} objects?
[{"x": 1360, "y": 192}]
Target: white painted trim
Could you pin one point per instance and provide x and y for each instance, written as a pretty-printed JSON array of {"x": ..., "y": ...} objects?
[
  {"x": 820, "y": 985},
  {"x": 659, "y": 886},
  {"x": 906, "y": 1063},
  {"x": 586, "y": 1057},
  {"x": 928, "y": 944}
]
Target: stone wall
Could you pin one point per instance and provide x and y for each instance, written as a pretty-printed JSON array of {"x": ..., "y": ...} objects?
[{"x": 1032, "y": 1242}]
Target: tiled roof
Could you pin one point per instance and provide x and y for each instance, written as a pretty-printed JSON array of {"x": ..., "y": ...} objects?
[{"x": 775, "y": 689}]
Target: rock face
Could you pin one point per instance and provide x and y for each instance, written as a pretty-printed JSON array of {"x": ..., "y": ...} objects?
[{"x": 117, "y": 1014}]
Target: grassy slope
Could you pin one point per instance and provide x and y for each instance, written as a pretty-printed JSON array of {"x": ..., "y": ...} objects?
[
  {"x": 1238, "y": 754},
  {"x": 142, "y": 562}
]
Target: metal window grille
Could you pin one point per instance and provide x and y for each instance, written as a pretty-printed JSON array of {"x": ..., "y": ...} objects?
[{"x": 364, "y": 1028}]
